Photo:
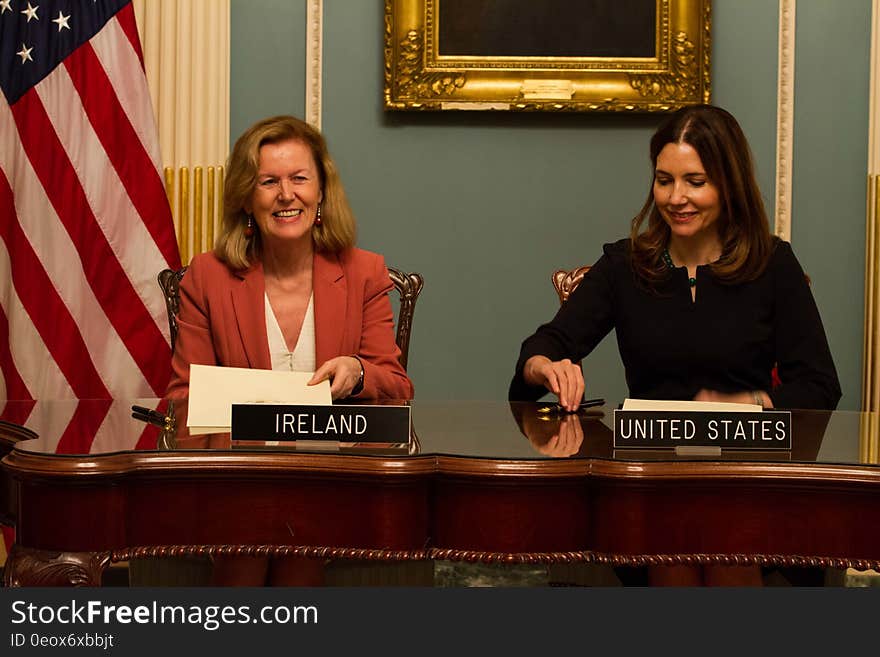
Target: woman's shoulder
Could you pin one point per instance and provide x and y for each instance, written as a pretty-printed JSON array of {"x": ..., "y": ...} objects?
[
  {"x": 620, "y": 248},
  {"x": 615, "y": 257},
  {"x": 784, "y": 265},
  {"x": 363, "y": 269},
  {"x": 207, "y": 266},
  {"x": 782, "y": 255},
  {"x": 781, "y": 249},
  {"x": 207, "y": 261},
  {"x": 355, "y": 254},
  {"x": 360, "y": 260},
  {"x": 618, "y": 253}
]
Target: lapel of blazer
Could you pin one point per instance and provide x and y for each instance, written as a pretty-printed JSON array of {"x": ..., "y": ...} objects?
[
  {"x": 249, "y": 305},
  {"x": 330, "y": 290}
]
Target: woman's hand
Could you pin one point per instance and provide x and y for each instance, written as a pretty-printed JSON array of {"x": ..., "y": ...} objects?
[
  {"x": 561, "y": 377},
  {"x": 745, "y": 397},
  {"x": 566, "y": 441},
  {"x": 558, "y": 436},
  {"x": 344, "y": 373}
]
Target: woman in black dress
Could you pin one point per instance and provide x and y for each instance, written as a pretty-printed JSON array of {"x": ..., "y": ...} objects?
[{"x": 704, "y": 300}]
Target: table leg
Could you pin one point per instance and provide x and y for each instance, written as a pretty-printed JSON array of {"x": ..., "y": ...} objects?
[{"x": 29, "y": 567}]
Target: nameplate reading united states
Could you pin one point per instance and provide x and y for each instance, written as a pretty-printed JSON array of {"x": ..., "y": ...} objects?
[
  {"x": 282, "y": 422},
  {"x": 728, "y": 430}
]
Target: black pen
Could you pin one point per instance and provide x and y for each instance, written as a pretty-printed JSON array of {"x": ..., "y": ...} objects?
[
  {"x": 150, "y": 416},
  {"x": 556, "y": 408}
]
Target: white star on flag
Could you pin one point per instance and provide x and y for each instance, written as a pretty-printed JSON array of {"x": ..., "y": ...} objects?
[
  {"x": 85, "y": 223},
  {"x": 25, "y": 54},
  {"x": 62, "y": 21},
  {"x": 4, "y": 6},
  {"x": 31, "y": 12}
]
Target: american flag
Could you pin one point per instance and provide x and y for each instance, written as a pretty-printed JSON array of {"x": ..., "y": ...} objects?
[
  {"x": 84, "y": 220},
  {"x": 80, "y": 426}
]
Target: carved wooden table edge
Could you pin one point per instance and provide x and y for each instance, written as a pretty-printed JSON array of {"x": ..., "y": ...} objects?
[
  {"x": 325, "y": 552},
  {"x": 29, "y": 567},
  {"x": 223, "y": 464},
  {"x": 826, "y": 473},
  {"x": 448, "y": 554},
  {"x": 774, "y": 560},
  {"x": 12, "y": 433}
]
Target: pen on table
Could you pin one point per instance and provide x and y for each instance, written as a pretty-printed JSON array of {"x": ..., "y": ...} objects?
[
  {"x": 556, "y": 408},
  {"x": 150, "y": 416}
]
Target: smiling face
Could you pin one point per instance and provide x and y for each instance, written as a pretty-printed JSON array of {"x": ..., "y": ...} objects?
[
  {"x": 287, "y": 192},
  {"x": 685, "y": 197}
]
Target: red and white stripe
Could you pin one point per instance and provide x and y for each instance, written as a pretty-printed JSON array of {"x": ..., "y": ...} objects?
[
  {"x": 85, "y": 426},
  {"x": 85, "y": 228}
]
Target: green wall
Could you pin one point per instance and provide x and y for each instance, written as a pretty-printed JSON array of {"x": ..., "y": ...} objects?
[
  {"x": 267, "y": 61},
  {"x": 486, "y": 206},
  {"x": 830, "y": 171}
]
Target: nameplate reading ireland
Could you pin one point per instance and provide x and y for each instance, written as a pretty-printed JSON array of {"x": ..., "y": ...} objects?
[
  {"x": 669, "y": 429},
  {"x": 362, "y": 424}
]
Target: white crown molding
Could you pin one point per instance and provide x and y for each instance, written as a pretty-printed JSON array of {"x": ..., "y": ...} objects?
[
  {"x": 314, "y": 55},
  {"x": 785, "y": 118}
]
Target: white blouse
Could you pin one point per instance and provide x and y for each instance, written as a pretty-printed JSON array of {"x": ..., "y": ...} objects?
[{"x": 302, "y": 358}]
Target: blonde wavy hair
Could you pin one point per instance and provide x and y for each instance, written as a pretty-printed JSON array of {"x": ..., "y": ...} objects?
[
  {"x": 746, "y": 241},
  {"x": 337, "y": 230}
]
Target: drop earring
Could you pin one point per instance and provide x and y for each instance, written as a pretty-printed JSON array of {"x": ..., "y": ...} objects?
[
  {"x": 318, "y": 216},
  {"x": 249, "y": 229}
]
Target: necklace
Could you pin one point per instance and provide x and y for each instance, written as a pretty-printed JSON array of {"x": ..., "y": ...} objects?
[{"x": 667, "y": 260}]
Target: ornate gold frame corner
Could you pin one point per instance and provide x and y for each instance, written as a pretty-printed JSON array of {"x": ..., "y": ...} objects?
[{"x": 418, "y": 78}]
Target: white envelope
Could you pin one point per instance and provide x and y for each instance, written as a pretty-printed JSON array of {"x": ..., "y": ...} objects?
[{"x": 213, "y": 390}]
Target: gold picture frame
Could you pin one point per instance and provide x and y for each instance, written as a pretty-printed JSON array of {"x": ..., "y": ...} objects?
[{"x": 429, "y": 66}]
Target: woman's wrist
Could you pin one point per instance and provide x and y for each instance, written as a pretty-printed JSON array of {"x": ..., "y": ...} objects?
[
  {"x": 359, "y": 386},
  {"x": 529, "y": 374}
]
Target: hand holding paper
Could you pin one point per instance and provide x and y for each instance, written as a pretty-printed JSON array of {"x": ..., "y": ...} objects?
[{"x": 213, "y": 390}]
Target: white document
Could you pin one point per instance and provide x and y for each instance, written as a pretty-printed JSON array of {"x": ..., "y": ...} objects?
[
  {"x": 213, "y": 391},
  {"x": 664, "y": 405}
]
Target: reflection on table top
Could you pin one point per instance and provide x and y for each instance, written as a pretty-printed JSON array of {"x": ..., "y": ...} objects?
[{"x": 490, "y": 429}]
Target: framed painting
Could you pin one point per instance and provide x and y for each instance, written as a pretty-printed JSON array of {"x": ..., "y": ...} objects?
[{"x": 547, "y": 55}]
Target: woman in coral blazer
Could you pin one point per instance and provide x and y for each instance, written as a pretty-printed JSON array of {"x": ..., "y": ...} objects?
[{"x": 284, "y": 287}]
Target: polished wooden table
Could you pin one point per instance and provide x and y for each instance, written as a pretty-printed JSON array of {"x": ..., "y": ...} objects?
[{"x": 86, "y": 486}]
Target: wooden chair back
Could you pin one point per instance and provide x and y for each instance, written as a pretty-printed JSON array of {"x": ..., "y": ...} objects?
[{"x": 565, "y": 281}]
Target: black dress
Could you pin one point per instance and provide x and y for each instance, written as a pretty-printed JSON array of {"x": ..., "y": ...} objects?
[{"x": 728, "y": 339}]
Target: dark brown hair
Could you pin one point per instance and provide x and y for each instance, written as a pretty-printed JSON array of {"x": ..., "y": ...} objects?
[
  {"x": 337, "y": 229},
  {"x": 746, "y": 242}
]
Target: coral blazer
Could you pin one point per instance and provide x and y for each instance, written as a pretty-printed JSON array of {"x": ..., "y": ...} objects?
[{"x": 222, "y": 320}]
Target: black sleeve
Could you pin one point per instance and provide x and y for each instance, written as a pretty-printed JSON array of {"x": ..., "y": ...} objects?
[
  {"x": 579, "y": 325},
  {"x": 806, "y": 369}
]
